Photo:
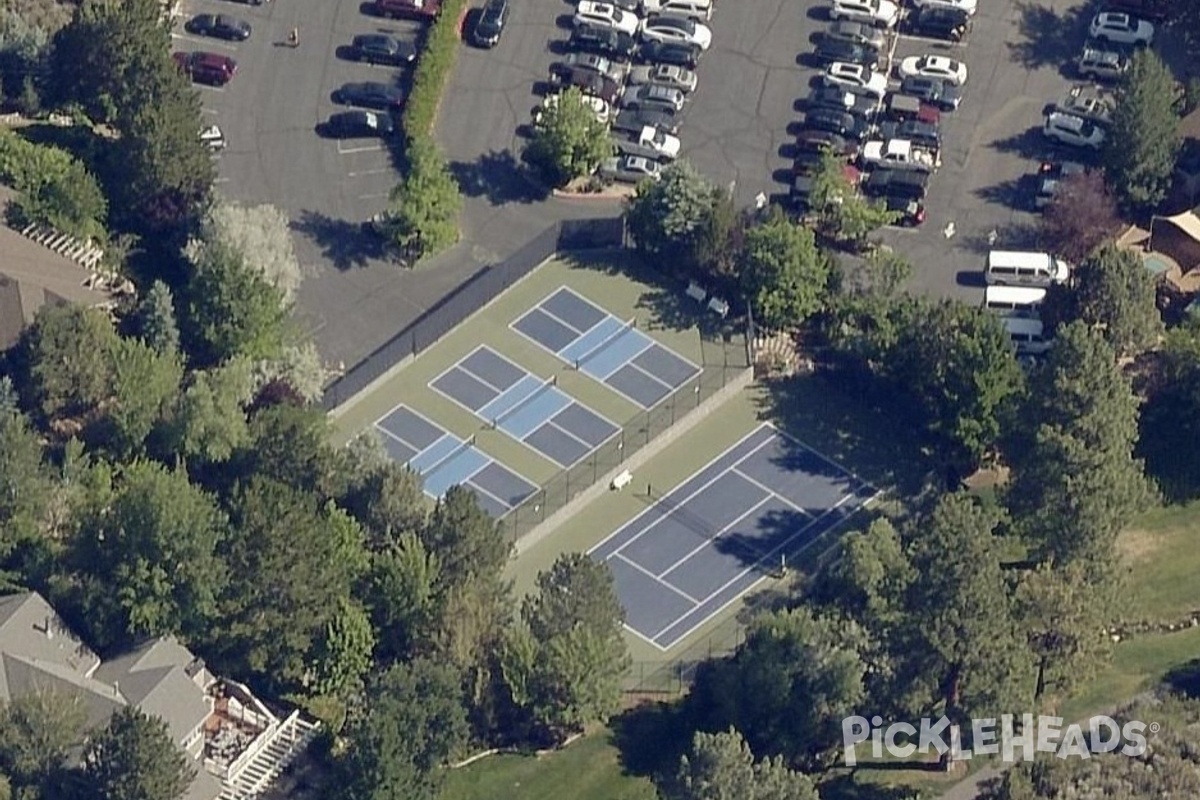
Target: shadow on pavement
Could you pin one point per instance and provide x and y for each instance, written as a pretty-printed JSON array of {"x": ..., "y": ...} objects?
[
  {"x": 343, "y": 242},
  {"x": 1050, "y": 38},
  {"x": 499, "y": 177}
]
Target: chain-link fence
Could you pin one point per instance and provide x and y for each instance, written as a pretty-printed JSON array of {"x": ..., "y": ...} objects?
[
  {"x": 470, "y": 297},
  {"x": 674, "y": 676},
  {"x": 724, "y": 358}
]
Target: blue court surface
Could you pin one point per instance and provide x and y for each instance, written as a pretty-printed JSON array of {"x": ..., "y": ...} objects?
[
  {"x": 603, "y": 346},
  {"x": 713, "y": 537},
  {"x": 443, "y": 460},
  {"x": 527, "y": 408}
]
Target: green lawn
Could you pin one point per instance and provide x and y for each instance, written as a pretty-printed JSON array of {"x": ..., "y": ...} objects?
[{"x": 589, "y": 769}]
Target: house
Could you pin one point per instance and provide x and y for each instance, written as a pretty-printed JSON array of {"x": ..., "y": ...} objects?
[{"x": 239, "y": 745}]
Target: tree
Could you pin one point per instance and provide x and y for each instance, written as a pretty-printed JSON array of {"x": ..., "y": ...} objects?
[
  {"x": 133, "y": 758},
  {"x": 54, "y": 188},
  {"x": 1172, "y": 415},
  {"x": 38, "y": 731},
  {"x": 144, "y": 385},
  {"x": 344, "y": 654},
  {"x": 1075, "y": 482},
  {"x": 230, "y": 310},
  {"x": 401, "y": 596},
  {"x": 721, "y": 766},
  {"x": 569, "y": 141},
  {"x": 673, "y": 221},
  {"x": 422, "y": 216},
  {"x": 156, "y": 319},
  {"x": 208, "y": 422},
  {"x": 784, "y": 274},
  {"x": 262, "y": 237},
  {"x": 26, "y": 488},
  {"x": 1080, "y": 216},
  {"x": 389, "y": 501},
  {"x": 292, "y": 445},
  {"x": 412, "y": 722},
  {"x": 1143, "y": 141},
  {"x": 146, "y": 557},
  {"x": 1112, "y": 292},
  {"x": 844, "y": 212},
  {"x": 63, "y": 360},
  {"x": 576, "y": 623}
]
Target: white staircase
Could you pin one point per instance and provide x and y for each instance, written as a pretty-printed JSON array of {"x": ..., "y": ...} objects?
[
  {"x": 272, "y": 757},
  {"x": 85, "y": 254}
]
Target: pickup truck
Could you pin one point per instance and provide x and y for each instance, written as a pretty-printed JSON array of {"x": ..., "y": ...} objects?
[
  {"x": 651, "y": 143},
  {"x": 900, "y": 154}
]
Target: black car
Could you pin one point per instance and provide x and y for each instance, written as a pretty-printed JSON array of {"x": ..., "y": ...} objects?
[
  {"x": 943, "y": 94},
  {"x": 839, "y": 99},
  {"x": 590, "y": 83},
  {"x": 491, "y": 23},
  {"x": 219, "y": 26},
  {"x": 675, "y": 53},
  {"x": 370, "y": 95},
  {"x": 602, "y": 41},
  {"x": 923, "y": 133},
  {"x": 633, "y": 121},
  {"x": 379, "y": 48},
  {"x": 831, "y": 50},
  {"x": 359, "y": 125},
  {"x": 902, "y": 183},
  {"x": 940, "y": 22},
  {"x": 814, "y": 141},
  {"x": 912, "y": 212},
  {"x": 840, "y": 122},
  {"x": 856, "y": 33}
]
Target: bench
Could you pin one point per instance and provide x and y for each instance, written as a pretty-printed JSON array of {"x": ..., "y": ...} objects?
[
  {"x": 718, "y": 306},
  {"x": 621, "y": 481},
  {"x": 696, "y": 292}
]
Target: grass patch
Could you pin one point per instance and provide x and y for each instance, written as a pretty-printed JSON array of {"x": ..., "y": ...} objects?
[
  {"x": 589, "y": 769},
  {"x": 1163, "y": 559}
]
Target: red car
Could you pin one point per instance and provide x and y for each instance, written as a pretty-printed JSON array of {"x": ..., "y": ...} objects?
[
  {"x": 409, "y": 9},
  {"x": 210, "y": 68}
]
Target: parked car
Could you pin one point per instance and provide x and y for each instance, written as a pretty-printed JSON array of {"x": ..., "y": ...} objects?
[
  {"x": 219, "y": 26},
  {"x": 213, "y": 138},
  {"x": 209, "y": 68},
  {"x": 590, "y": 83},
  {"x": 943, "y": 94},
  {"x": 1050, "y": 175},
  {"x": 840, "y": 122},
  {"x": 679, "y": 54},
  {"x": 630, "y": 169},
  {"x": 940, "y": 22},
  {"x": 681, "y": 78},
  {"x": 855, "y": 33},
  {"x": 1071, "y": 130},
  {"x": 370, "y": 94},
  {"x": 1156, "y": 11},
  {"x": 856, "y": 78},
  {"x": 900, "y": 154},
  {"x": 912, "y": 212},
  {"x": 965, "y": 6},
  {"x": 649, "y": 142},
  {"x": 663, "y": 98},
  {"x": 666, "y": 28},
  {"x": 1089, "y": 105},
  {"x": 1120, "y": 28},
  {"x": 902, "y": 108},
  {"x": 839, "y": 99},
  {"x": 816, "y": 141},
  {"x": 599, "y": 106},
  {"x": 907, "y": 183},
  {"x": 359, "y": 125},
  {"x": 379, "y": 48},
  {"x": 635, "y": 119},
  {"x": 606, "y": 15},
  {"x": 830, "y": 50},
  {"x": 602, "y": 41},
  {"x": 881, "y": 13},
  {"x": 925, "y": 134},
  {"x": 1102, "y": 64},
  {"x": 421, "y": 10},
  {"x": 490, "y": 25},
  {"x": 931, "y": 66},
  {"x": 601, "y": 65},
  {"x": 699, "y": 10}
]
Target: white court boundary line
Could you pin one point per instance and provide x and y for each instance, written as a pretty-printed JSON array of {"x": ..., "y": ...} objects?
[{"x": 674, "y": 589}]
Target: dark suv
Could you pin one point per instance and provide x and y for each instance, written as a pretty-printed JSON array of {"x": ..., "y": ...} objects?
[
  {"x": 831, "y": 50},
  {"x": 940, "y": 22},
  {"x": 369, "y": 94},
  {"x": 602, "y": 41},
  {"x": 210, "y": 68},
  {"x": 492, "y": 20},
  {"x": 379, "y": 48},
  {"x": 219, "y": 26},
  {"x": 943, "y": 94}
]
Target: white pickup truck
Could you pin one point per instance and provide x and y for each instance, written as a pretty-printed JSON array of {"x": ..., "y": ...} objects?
[
  {"x": 650, "y": 142},
  {"x": 900, "y": 154}
]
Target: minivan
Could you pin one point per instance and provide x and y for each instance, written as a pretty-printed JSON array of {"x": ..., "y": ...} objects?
[
  {"x": 700, "y": 10},
  {"x": 211, "y": 68},
  {"x": 1007, "y": 268},
  {"x": 1014, "y": 301},
  {"x": 1027, "y": 334}
]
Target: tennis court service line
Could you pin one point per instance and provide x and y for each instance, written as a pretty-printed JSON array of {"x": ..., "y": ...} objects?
[
  {"x": 625, "y": 328},
  {"x": 718, "y": 535},
  {"x": 655, "y": 578},
  {"x": 765, "y": 488},
  {"x": 541, "y": 306}
]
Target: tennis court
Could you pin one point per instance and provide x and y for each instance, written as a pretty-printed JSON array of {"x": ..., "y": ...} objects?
[
  {"x": 609, "y": 349},
  {"x": 530, "y": 409},
  {"x": 444, "y": 460},
  {"x": 703, "y": 545}
]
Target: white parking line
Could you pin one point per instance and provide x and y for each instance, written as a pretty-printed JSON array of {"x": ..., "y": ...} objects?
[
  {"x": 379, "y": 171},
  {"x": 221, "y": 180},
  {"x": 940, "y": 42},
  {"x": 370, "y": 148},
  {"x": 212, "y": 111},
  {"x": 206, "y": 42}
]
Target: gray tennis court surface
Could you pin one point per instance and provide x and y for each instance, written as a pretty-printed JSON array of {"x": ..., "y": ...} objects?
[
  {"x": 713, "y": 537},
  {"x": 609, "y": 349},
  {"x": 444, "y": 460},
  {"x": 528, "y": 408}
]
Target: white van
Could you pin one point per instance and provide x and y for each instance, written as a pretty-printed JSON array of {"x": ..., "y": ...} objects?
[
  {"x": 699, "y": 10},
  {"x": 1008, "y": 268},
  {"x": 1027, "y": 335},
  {"x": 1014, "y": 301}
]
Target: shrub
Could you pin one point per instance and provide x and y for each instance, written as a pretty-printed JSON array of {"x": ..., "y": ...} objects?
[
  {"x": 54, "y": 188},
  {"x": 434, "y": 66}
]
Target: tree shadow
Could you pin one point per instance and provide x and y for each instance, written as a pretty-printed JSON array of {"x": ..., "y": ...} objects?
[
  {"x": 1029, "y": 143},
  {"x": 498, "y": 176},
  {"x": 1185, "y": 678},
  {"x": 1010, "y": 236},
  {"x": 651, "y": 738},
  {"x": 1015, "y": 193},
  {"x": 343, "y": 242},
  {"x": 1050, "y": 38}
]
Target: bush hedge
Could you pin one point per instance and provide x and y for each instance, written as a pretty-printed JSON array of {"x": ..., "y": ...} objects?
[
  {"x": 434, "y": 66},
  {"x": 53, "y": 187}
]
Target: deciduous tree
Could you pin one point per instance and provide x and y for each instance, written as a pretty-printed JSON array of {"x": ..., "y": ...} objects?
[
  {"x": 26, "y": 488},
  {"x": 38, "y": 731},
  {"x": 64, "y": 368},
  {"x": 1081, "y": 215},
  {"x": 845, "y": 213},
  {"x": 672, "y": 220},
  {"x": 262, "y": 237},
  {"x": 144, "y": 385},
  {"x": 423, "y": 209},
  {"x": 784, "y": 273},
  {"x": 133, "y": 758},
  {"x": 208, "y": 422},
  {"x": 568, "y": 141},
  {"x": 1143, "y": 141},
  {"x": 721, "y": 766}
]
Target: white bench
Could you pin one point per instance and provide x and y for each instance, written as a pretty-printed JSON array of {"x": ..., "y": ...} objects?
[
  {"x": 696, "y": 292},
  {"x": 718, "y": 306},
  {"x": 621, "y": 481}
]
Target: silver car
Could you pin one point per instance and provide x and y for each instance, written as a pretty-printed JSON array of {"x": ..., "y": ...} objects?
[
  {"x": 654, "y": 96},
  {"x": 631, "y": 169},
  {"x": 680, "y": 78},
  {"x": 608, "y": 68}
]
